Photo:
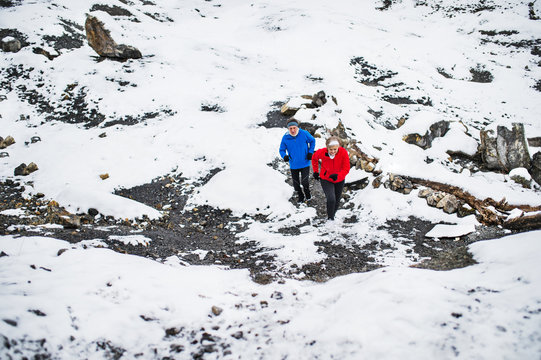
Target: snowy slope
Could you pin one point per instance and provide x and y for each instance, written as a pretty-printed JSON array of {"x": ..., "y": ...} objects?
[
  {"x": 136, "y": 308},
  {"x": 240, "y": 58}
]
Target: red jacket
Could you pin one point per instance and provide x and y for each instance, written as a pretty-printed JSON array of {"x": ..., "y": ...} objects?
[{"x": 339, "y": 165}]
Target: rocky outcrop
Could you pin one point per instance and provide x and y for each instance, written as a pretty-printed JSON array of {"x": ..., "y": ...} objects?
[
  {"x": 437, "y": 129},
  {"x": 11, "y": 44},
  {"x": 101, "y": 41},
  {"x": 507, "y": 151},
  {"x": 24, "y": 170}
]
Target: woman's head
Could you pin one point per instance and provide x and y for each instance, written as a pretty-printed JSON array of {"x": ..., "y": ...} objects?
[
  {"x": 333, "y": 143},
  {"x": 293, "y": 127}
]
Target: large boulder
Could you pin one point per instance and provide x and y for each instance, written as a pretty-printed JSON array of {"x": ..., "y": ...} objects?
[
  {"x": 101, "y": 41},
  {"x": 10, "y": 44},
  {"x": 507, "y": 151}
]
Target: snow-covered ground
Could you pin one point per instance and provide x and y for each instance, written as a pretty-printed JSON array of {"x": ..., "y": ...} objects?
[
  {"x": 243, "y": 57},
  {"x": 96, "y": 303}
]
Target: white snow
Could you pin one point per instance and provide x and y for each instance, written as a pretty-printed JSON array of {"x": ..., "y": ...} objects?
[
  {"x": 131, "y": 239},
  {"x": 484, "y": 311},
  {"x": 450, "y": 231},
  {"x": 13, "y": 212}
]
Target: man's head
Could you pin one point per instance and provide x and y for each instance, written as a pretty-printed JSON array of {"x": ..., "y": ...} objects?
[{"x": 293, "y": 127}]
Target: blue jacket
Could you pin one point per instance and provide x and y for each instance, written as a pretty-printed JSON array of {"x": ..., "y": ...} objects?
[{"x": 297, "y": 147}]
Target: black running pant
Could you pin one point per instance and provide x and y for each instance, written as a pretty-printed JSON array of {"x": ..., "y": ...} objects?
[
  {"x": 333, "y": 193},
  {"x": 304, "y": 175}
]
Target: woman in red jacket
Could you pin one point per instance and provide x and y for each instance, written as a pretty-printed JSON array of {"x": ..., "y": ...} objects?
[{"x": 334, "y": 161}]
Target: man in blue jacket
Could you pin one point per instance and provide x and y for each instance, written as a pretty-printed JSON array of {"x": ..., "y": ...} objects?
[{"x": 297, "y": 147}]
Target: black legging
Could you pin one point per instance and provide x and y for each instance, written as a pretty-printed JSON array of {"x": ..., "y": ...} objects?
[
  {"x": 333, "y": 193},
  {"x": 304, "y": 176}
]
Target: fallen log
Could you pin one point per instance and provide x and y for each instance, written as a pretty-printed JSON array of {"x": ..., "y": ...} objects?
[
  {"x": 486, "y": 215},
  {"x": 524, "y": 222}
]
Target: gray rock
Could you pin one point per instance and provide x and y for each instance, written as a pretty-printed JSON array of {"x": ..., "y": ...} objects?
[
  {"x": 535, "y": 170},
  {"x": 398, "y": 184},
  {"x": 424, "y": 193},
  {"x": 449, "y": 203},
  {"x": 512, "y": 147},
  {"x": 437, "y": 129},
  {"x": 10, "y": 44},
  {"x": 434, "y": 198},
  {"x": 535, "y": 141},
  {"x": 507, "y": 151}
]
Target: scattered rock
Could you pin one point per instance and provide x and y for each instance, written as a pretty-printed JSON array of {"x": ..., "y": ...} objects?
[
  {"x": 104, "y": 176},
  {"x": 357, "y": 158},
  {"x": 398, "y": 184},
  {"x": 35, "y": 139},
  {"x": 101, "y": 41},
  {"x": 4, "y": 154},
  {"x": 172, "y": 331},
  {"x": 4, "y": 143},
  {"x": 376, "y": 183},
  {"x": 61, "y": 251},
  {"x": 48, "y": 54},
  {"x": 522, "y": 177},
  {"x": 438, "y": 129},
  {"x": 449, "y": 203},
  {"x": 93, "y": 212},
  {"x": 216, "y": 310},
  {"x": 480, "y": 75},
  {"x": 319, "y": 99},
  {"x": 238, "y": 335},
  {"x": 424, "y": 193},
  {"x": 111, "y": 10},
  {"x": 434, "y": 198},
  {"x": 507, "y": 151},
  {"x": 535, "y": 170},
  {"x": 11, "y": 44},
  {"x": 24, "y": 170},
  {"x": 535, "y": 141}
]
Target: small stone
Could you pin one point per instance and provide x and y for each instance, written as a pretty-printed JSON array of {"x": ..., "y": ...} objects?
[
  {"x": 102, "y": 135},
  {"x": 216, "y": 310},
  {"x": 238, "y": 335},
  {"x": 104, "y": 176},
  {"x": 434, "y": 198},
  {"x": 424, "y": 193},
  {"x": 4, "y": 154},
  {"x": 93, "y": 212},
  {"x": 172, "y": 331},
  {"x": 35, "y": 139}
]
